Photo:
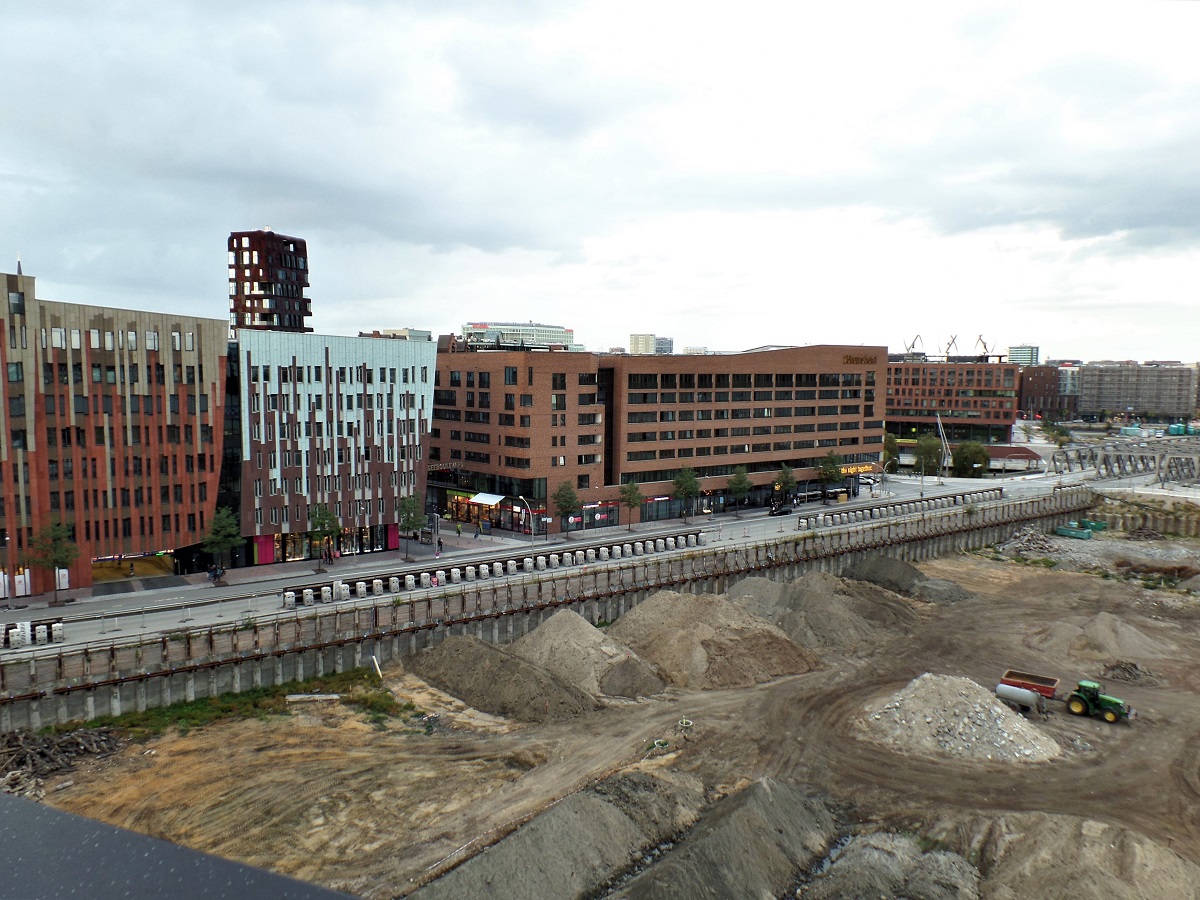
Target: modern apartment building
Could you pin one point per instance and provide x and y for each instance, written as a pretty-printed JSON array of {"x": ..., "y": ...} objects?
[
  {"x": 111, "y": 423},
  {"x": 509, "y": 427},
  {"x": 268, "y": 277},
  {"x": 1157, "y": 391},
  {"x": 974, "y": 397},
  {"x": 337, "y": 421}
]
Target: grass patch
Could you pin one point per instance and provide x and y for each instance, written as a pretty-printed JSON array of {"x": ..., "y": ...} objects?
[{"x": 360, "y": 688}]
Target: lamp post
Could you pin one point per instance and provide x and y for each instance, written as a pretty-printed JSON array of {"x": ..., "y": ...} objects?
[{"x": 529, "y": 509}]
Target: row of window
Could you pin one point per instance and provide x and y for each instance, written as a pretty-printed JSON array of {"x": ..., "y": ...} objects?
[
  {"x": 91, "y": 530},
  {"x": 643, "y": 381},
  {"x": 128, "y": 497},
  {"x": 60, "y": 338},
  {"x": 107, "y": 374},
  {"x": 131, "y": 436},
  {"x": 363, "y": 374},
  {"x": 102, "y": 404},
  {"x": 339, "y": 428},
  {"x": 327, "y": 483},
  {"x": 761, "y": 412},
  {"x": 318, "y": 402},
  {"x": 283, "y": 515},
  {"x": 722, "y": 449}
]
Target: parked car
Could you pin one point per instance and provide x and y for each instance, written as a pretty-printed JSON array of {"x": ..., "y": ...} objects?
[{"x": 783, "y": 509}]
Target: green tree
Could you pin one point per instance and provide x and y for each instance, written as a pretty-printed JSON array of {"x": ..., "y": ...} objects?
[
  {"x": 631, "y": 499},
  {"x": 686, "y": 488},
  {"x": 890, "y": 451},
  {"x": 740, "y": 486},
  {"x": 565, "y": 501},
  {"x": 785, "y": 483},
  {"x": 829, "y": 472},
  {"x": 322, "y": 526},
  {"x": 223, "y": 534},
  {"x": 52, "y": 548},
  {"x": 409, "y": 518},
  {"x": 927, "y": 455},
  {"x": 970, "y": 459}
]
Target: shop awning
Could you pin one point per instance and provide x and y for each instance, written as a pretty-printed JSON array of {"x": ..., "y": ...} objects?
[{"x": 486, "y": 499}]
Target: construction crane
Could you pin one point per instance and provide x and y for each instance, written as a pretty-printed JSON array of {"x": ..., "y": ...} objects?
[
  {"x": 908, "y": 347},
  {"x": 980, "y": 342}
]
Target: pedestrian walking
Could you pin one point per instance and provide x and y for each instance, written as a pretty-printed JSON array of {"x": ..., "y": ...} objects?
[
  {"x": 478, "y": 530},
  {"x": 439, "y": 546},
  {"x": 458, "y": 529}
]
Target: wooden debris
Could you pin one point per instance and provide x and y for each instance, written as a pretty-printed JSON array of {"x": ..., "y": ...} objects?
[{"x": 26, "y": 759}]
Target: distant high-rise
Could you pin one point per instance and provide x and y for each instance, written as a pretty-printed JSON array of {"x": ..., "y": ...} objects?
[
  {"x": 641, "y": 344},
  {"x": 651, "y": 345},
  {"x": 268, "y": 275},
  {"x": 1024, "y": 355}
]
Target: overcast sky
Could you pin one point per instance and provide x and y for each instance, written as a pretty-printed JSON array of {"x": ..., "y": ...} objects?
[{"x": 725, "y": 175}]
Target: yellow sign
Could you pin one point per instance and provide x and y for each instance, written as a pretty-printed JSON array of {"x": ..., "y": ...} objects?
[
  {"x": 859, "y": 468},
  {"x": 849, "y": 359}
]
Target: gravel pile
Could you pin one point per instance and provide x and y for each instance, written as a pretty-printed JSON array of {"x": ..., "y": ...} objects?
[
  {"x": 903, "y": 578},
  {"x": 943, "y": 715},
  {"x": 1029, "y": 540},
  {"x": 825, "y": 613},
  {"x": 495, "y": 681},
  {"x": 706, "y": 641},
  {"x": 574, "y": 650},
  {"x": 894, "y": 865}
]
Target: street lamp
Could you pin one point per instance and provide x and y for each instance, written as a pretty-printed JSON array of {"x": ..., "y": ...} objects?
[{"x": 529, "y": 509}]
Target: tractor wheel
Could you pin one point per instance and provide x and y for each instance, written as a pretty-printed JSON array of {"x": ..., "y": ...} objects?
[
  {"x": 1111, "y": 716},
  {"x": 1077, "y": 707}
]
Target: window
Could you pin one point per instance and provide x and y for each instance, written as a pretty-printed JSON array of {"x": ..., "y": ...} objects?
[
  {"x": 16, "y": 303},
  {"x": 16, "y": 372},
  {"x": 152, "y": 344},
  {"x": 510, "y": 374}
]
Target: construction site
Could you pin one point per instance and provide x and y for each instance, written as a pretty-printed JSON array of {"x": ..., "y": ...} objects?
[{"x": 818, "y": 736}]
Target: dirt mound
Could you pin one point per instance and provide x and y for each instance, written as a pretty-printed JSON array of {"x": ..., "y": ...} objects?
[
  {"x": 893, "y": 574},
  {"x": 893, "y": 865},
  {"x": 578, "y": 653},
  {"x": 751, "y": 844},
  {"x": 582, "y": 842},
  {"x": 498, "y": 682},
  {"x": 708, "y": 642},
  {"x": 1104, "y": 636},
  {"x": 1128, "y": 672},
  {"x": 942, "y": 715},
  {"x": 823, "y": 612},
  {"x": 1048, "y": 855}
]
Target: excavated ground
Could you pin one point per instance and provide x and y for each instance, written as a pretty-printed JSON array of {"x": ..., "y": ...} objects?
[{"x": 818, "y": 762}]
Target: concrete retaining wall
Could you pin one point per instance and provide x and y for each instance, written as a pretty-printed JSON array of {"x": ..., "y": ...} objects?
[{"x": 84, "y": 684}]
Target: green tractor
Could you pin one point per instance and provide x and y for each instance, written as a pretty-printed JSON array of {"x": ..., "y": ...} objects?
[{"x": 1087, "y": 700}]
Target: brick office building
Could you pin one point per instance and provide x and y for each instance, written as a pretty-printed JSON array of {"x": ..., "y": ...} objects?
[
  {"x": 975, "y": 397},
  {"x": 509, "y": 426},
  {"x": 111, "y": 423}
]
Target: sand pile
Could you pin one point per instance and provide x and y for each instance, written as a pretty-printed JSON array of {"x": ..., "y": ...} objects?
[
  {"x": 1104, "y": 636},
  {"x": 578, "y": 653},
  {"x": 942, "y": 715},
  {"x": 498, "y": 682},
  {"x": 707, "y": 641},
  {"x": 823, "y": 612}
]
